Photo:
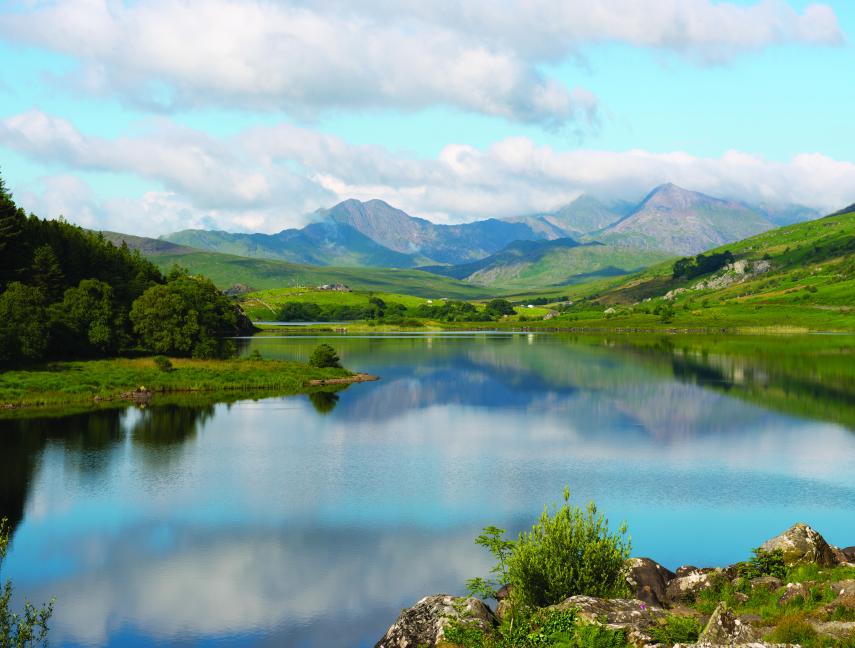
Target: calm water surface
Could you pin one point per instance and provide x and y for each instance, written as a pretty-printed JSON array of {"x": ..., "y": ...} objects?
[{"x": 311, "y": 521}]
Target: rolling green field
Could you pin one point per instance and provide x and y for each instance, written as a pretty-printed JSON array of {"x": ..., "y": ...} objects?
[{"x": 260, "y": 274}]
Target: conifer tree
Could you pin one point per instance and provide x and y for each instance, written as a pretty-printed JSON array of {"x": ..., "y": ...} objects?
[{"x": 47, "y": 273}]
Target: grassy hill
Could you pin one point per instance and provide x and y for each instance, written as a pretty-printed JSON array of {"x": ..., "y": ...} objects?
[
  {"x": 534, "y": 265},
  {"x": 226, "y": 270},
  {"x": 797, "y": 277}
]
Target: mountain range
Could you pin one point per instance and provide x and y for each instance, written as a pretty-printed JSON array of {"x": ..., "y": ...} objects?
[{"x": 669, "y": 220}]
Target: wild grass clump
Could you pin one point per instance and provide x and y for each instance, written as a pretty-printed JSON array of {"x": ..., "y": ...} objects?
[
  {"x": 793, "y": 629},
  {"x": 163, "y": 363},
  {"x": 542, "y": 628},
  {"x": 676, "y": 629}
]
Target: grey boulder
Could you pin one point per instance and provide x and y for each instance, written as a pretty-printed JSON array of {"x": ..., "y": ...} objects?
[{"x": 424, "y": 624}]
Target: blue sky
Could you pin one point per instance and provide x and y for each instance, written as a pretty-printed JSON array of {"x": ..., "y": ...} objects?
[{"x": 248, "y": 115}]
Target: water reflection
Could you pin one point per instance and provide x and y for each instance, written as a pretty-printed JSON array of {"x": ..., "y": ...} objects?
[
  {"x": 310, "y": 521},
  {"x": 324, "y": 401}
]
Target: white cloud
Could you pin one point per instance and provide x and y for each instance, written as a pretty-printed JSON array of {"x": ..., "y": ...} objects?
[
  {"x": 303, "y": 57},
  {"x": 267, "y": 178}
]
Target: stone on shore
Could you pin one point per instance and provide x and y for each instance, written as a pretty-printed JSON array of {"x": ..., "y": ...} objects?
[
  {"x": 649, "y": 580},
  {"x": 802, "y": 546},
  {"x": 423, "y": 625}
]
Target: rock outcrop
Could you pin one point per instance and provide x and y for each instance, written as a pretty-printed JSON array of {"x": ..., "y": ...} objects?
[
  {"x": 649, "y": 580},
  {"x": 725, "y": 628},
  {"x": 685, "y": 589},
  {"x": 631, "y": 615},
  {"x": 802, "y": 546},
  {"x": 424, "y": 624}
]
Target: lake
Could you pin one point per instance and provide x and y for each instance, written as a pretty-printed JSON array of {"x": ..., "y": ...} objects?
[{"x": 311, "y": 521}]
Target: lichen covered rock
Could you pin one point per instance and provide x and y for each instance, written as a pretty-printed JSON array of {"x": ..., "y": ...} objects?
[
  {"x": 725, "y": 628},
  {"x": 802, "y": 546},
  {"x": 685, "y": 589},
  {"x": 424, "y": 624},
  {"x": 634, "y": 616}
]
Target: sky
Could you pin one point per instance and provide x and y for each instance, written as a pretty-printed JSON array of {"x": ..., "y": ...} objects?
[{"x": 151, "y": 116}]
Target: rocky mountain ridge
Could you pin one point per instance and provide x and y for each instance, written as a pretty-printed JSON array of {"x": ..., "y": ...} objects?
[{"x": 373, "y": 233}]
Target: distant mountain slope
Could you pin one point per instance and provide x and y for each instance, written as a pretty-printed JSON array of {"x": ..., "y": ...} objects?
[
  {"x": 227, "y": 270},
  {"x": 398, "y": 231},
  {"x": 587, "y": 214},
  {"x": 145, "y": 246},
  {"x": 375, "y": 234},
  {"x": 322, "y": 243},
  {"x": 584, "y": 215},
  {"x": 541, "y": 264},
  {"x": 846, "y": 210},
  {"x": 807, "y": 264},
  {"x": 672, "y": 219},
  {"x": 372, "y": 233}
]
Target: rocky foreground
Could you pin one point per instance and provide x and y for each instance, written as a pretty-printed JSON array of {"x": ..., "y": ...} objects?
[{"x": 828, "y": 617}]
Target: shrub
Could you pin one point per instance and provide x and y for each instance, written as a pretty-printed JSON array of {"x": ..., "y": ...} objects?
[
  {"x": 764, "y": 563},
  {"x": 568, "y": 553},
  {"x": 20, "y": 630},
  {"x": 163, "y": 363},
  {"x": 324, "y": 356},
  {"x": 255, "y": 356}
]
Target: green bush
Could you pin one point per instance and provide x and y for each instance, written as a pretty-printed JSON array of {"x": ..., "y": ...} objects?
[
  {"x": 764, "y": 563},
  {"x": 20, "y": 630},
  {"x": 163, "y": 363},
  {"x": 568, "y": 553},
  {"x": 324, "y": 356}
]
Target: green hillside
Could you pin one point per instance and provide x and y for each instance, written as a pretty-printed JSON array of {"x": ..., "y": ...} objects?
[
  {"x": 535, "y": 265},
  {"x": 226, "y": 270},
  {"x": 563, "y": 266},
  {"x": 796, "y": 277}
]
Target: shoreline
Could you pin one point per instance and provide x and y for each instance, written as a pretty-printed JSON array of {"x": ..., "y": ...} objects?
[{"x": 94, "y": 383}]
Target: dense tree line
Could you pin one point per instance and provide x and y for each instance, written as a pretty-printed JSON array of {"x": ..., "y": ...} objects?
[
  {"x": 376, "y": 309},
  {"x": 67, "y": 292},
  {"x": 394, "y": 313}
]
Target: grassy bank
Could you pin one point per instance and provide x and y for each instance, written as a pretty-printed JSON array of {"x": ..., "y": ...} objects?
[{"x": 76, "y": 383}]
